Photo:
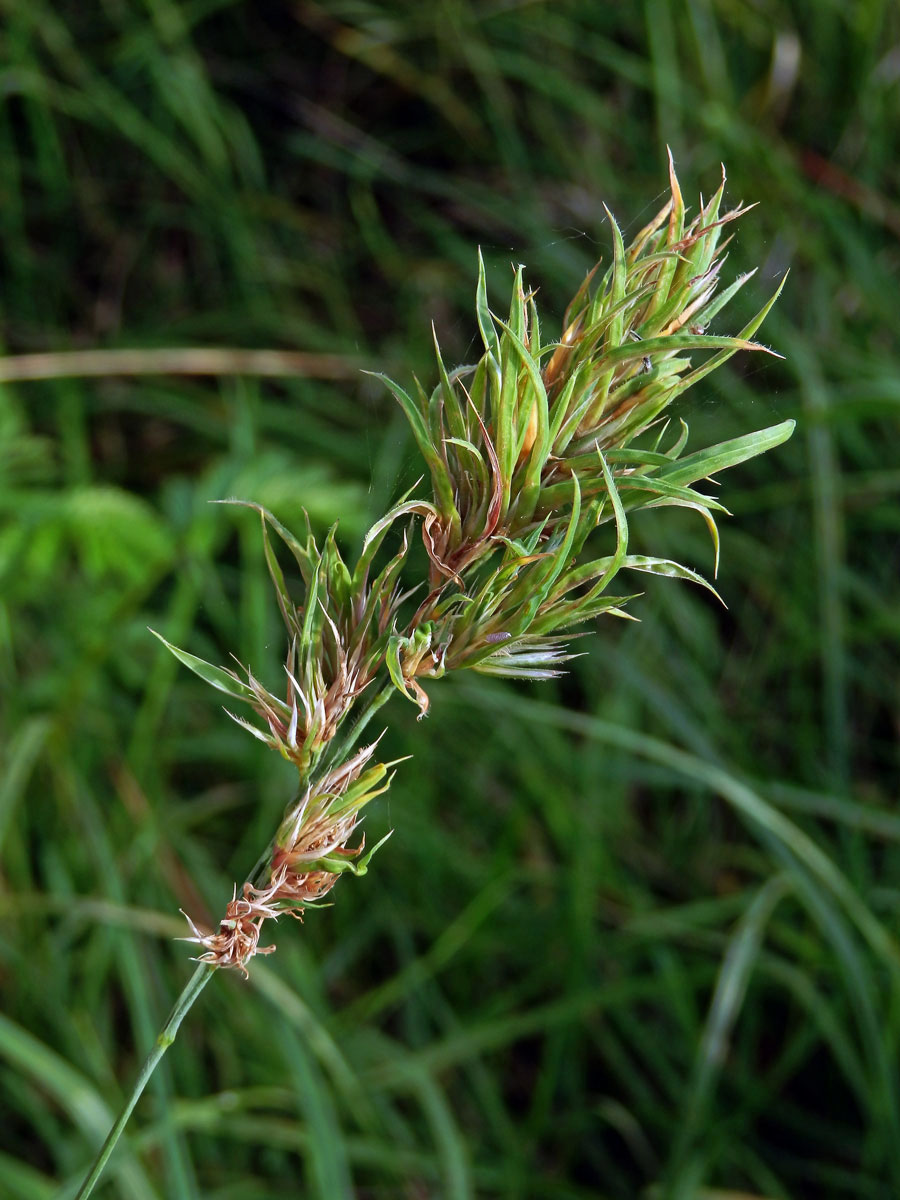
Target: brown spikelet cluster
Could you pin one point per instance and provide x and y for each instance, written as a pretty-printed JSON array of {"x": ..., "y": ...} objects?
[
  {"x": 310, "y": 854},
  {"x": 237, "y": 939}
]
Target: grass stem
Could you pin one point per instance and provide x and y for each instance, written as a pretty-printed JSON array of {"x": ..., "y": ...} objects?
[{"x": 167, "y": 1035}]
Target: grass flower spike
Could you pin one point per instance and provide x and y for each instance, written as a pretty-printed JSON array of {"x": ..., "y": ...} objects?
[
  {"x": 534, "y": 453},
  {"x": 538, "y": 455}
]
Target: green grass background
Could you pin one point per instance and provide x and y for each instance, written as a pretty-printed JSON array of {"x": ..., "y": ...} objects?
[{"x": 635, "y": 935}]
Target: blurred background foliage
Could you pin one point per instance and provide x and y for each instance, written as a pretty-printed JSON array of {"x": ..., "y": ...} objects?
[{"x": 635, "y": 935}]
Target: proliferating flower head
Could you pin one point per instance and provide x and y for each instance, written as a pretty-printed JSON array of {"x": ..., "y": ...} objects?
[
  {"x": 533, "y": 448},
  {"x": 530, "y": 451}
]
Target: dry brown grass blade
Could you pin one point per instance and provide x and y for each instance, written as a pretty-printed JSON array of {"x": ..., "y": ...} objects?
[{"x": 188, "y": 360}]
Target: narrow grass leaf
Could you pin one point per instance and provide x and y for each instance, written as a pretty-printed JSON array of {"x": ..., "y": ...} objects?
[
  {"x": 217, "y": 677},
  {"x": 668, "y": 569},
  {"x": 704, "y": 463}
]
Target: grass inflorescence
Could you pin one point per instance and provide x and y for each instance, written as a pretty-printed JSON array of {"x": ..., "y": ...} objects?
[{"x": 529, "y": 452}]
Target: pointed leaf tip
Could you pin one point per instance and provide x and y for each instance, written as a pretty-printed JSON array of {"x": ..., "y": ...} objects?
[{"x": 219, "y": 678}]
